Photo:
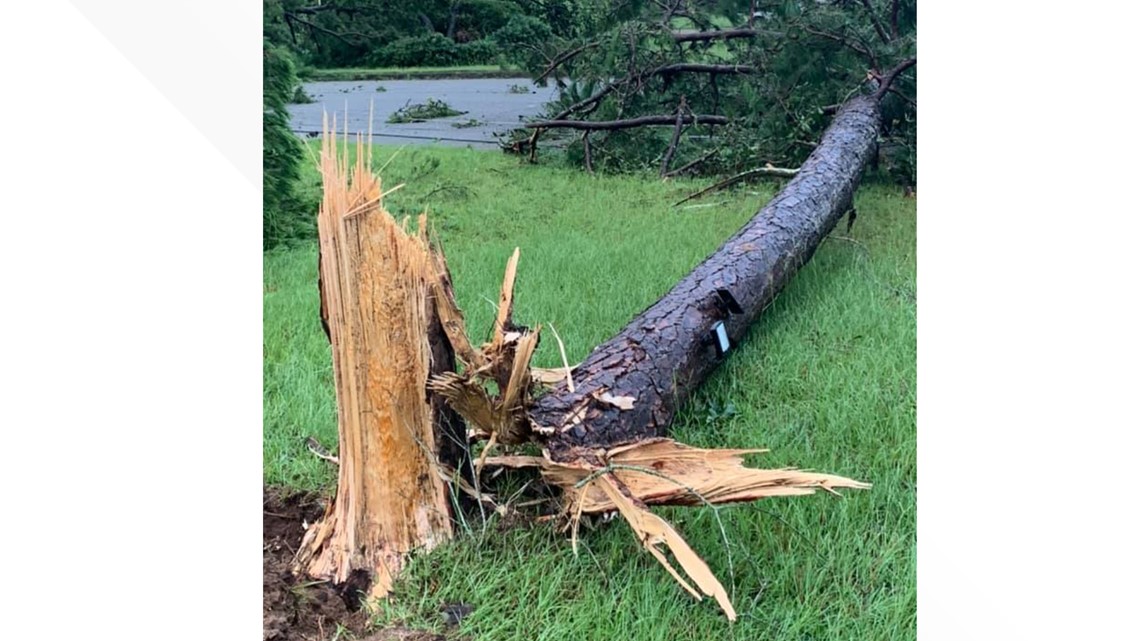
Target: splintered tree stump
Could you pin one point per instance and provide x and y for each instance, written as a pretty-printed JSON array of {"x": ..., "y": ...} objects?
[
  {"x": 661, "y": 356},
  {"x": 387, "y": 338}
]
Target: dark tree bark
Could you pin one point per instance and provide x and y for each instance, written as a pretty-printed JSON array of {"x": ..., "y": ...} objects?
[
  {"x": 643, "y": 121},
  {"x": 676, "y": 138},
  {"x": 696, "y": 67},
  {"x": 723, "y": 34},
  {"x": 452, "y": 19},
  {"x": 668, "y": 350}
]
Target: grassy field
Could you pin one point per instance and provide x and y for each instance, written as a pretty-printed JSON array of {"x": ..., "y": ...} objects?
[
  {"x": 826, "y": 380},
  {"x": 414, "y": 73}
]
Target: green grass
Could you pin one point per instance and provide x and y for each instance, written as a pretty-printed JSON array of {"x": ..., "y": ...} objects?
[
  {"x": 826, "y": 380},
  {"x": 413, "y": 73}
]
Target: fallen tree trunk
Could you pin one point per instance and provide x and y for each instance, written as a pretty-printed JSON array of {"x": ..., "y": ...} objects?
[{"x": 661, "y": 356}]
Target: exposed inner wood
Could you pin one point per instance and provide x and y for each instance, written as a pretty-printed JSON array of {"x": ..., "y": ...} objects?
[{"x": 386, "y": 337}]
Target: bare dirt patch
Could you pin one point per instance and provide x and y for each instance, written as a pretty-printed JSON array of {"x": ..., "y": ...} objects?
[{"x": 296, "y": 609}]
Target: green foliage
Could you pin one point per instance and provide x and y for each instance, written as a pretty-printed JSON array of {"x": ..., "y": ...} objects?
[
  {"x": 300, "y": 97},
  {"x": 521, "y": 38},
  {"x": 386, "y": 33},
  {"x": 432, "y": 50},
  {"x": 806, "y": 56},
  {"x": 478, "y": 52},
  {"x": 478, "y": 18},
  {"x": 284, "y": 214},
  {"x": 420, "y": 112}
]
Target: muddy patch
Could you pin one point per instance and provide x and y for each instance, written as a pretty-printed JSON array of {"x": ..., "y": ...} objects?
[{"x": 298, "y": 609}]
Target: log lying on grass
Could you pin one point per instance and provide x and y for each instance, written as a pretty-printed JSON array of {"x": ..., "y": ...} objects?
[
  {"x": 661, "y": 356},
  {"x": 601, "y": 428}
]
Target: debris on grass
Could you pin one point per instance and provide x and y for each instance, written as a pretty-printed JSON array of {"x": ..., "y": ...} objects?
[
  {"x": 420, "y": 112},
  {"x": 662, "y": 471}
]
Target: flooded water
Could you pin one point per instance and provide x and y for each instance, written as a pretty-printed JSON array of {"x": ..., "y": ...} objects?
[{"x": 486, "y": 100}]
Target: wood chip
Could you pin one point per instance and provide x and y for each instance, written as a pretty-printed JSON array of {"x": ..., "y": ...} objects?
[{"x": 620, "y": 402}]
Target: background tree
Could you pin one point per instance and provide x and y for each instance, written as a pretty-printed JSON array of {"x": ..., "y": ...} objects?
[
  {"x": 354, "y": 33},
  {"x": 284, "y": 215}
]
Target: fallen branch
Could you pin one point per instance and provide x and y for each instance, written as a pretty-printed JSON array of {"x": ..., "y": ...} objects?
[
  {"x": 563, "y": 58},
  {"x": 857, "y": 47},
  {"x": 886, "y": 79},
  {"x": 591, "y": 102},
  {"x": 693, "y": 163},
  {"x": 642, "y": 121},
  {"x": 608, "y": 88},
  {"x": 773, "y": 172},
  {"x": 724, "y": 34},
  {"x": 694, "y": 67}
]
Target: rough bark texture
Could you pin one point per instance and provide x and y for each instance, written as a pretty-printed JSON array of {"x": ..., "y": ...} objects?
[{"x": 664, "y": 353}]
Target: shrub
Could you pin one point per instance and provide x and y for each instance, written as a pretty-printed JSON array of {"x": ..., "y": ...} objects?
[
  {"x": 284, "y": 215},
  {"x": 519, "y": 37},
  {"x": 433, "y": 50},
  {"x": 479, "y": 52}
]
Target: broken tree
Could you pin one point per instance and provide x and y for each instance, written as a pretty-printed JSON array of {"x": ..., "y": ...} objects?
[
  {"x": 602, "y": 431},
  {"x": 387, "y": 338},
  {"x": 660, "y": 357}
]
